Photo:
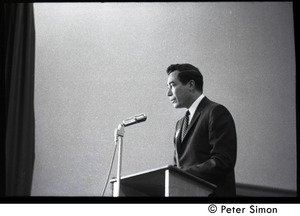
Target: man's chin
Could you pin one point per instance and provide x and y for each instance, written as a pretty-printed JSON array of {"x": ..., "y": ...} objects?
[{"x": 176, "y": 105}]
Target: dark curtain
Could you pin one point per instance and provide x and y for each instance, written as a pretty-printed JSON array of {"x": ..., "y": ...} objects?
[{"x": 19, "y": 52}]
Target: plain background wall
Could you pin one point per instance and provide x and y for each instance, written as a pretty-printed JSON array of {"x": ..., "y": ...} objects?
[{"x": 99, "y": 63}]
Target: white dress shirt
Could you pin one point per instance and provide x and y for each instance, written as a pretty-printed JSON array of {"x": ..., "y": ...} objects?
[{"x": 194, "y": 106}]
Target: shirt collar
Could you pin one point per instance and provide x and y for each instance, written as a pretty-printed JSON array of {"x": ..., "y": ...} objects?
[{"x": 194, "y": 106}]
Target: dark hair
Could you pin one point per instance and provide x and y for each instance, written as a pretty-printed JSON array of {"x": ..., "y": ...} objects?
[{"x": 186, "y": 73}]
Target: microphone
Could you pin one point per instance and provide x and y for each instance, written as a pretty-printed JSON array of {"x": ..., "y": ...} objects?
[{"x": 134, "y": 119}]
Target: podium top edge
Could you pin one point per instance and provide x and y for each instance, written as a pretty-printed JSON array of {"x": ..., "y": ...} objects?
[
  {"x": 142, "y": 172},
  {"x": 175, "y": 169}
]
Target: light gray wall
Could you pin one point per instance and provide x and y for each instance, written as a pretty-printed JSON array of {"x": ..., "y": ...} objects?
[{"x": 99, "y": 63}]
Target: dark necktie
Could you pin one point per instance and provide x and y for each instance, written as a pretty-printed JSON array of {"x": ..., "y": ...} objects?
[{"x": 185, "y": 124}]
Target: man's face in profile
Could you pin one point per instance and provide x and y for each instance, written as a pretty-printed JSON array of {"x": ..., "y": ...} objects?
[{"x": 178, "y": 93}]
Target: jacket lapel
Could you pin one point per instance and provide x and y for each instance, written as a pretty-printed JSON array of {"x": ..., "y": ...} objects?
[{"x": 196, "y": 116}]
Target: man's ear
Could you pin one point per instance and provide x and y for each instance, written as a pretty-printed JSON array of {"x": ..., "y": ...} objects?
[{"x": 192, "y": 85}]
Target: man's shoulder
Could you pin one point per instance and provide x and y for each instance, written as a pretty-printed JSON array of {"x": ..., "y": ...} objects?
[
  {"x": 210, "y": 105},
  {"x": 207, "y": 103}
]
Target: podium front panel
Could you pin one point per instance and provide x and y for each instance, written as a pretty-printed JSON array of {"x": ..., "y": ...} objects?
[
  {"x": 163, "y": 182},
  {"x": 179, "y": 185}
]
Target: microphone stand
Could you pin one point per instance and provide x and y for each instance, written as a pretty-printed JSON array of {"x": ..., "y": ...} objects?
[{"x": 119, "y": 134}]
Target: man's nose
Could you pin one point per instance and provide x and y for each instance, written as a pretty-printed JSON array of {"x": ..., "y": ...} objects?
[{"x": 169, "y": 92}]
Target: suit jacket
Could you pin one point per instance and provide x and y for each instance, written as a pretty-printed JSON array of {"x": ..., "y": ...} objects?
[{"x": 209, "y": 147}]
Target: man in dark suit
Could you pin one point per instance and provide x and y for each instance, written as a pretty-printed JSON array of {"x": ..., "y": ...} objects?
[{"x": 207, "y": 147}]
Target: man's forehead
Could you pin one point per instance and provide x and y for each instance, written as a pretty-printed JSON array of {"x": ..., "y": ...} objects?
[{"x": 172, "y": 77}]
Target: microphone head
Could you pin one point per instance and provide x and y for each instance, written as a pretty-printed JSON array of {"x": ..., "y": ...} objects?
[
  {"x": 141, "y": 117},
  {"x": 135, "y": 119}
]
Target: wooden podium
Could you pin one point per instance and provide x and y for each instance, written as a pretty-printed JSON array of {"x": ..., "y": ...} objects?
[{"x": 163, "y": 182}]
